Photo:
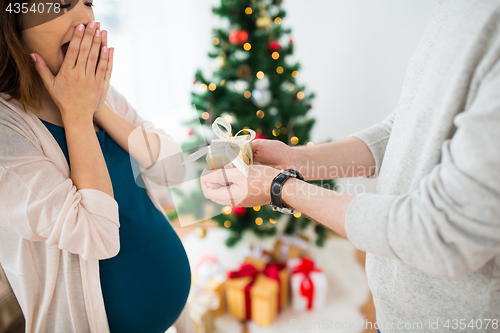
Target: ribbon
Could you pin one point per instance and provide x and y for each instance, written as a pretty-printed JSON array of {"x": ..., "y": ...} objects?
[
  {"x": 199, "y": 305},
  {"x": 223, "y": 147},
  {"x": 272, "y": 271},
  {"x": 289, "y": 241},
  {"x": 246, "y": 269},
  {"x": 305, "y": 267}
]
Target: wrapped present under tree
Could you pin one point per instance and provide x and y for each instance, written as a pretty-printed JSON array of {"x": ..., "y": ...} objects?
[
  {"x": 210, "y": 276},
  {"x": 257, "y": 291},
  {"x": 309, "y": 285},
  {"x": 202, "y": 305},
  {"x": 290, "y": 247}
]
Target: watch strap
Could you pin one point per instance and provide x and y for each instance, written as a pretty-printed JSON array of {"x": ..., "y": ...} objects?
[{"x": 277, "y": 188}]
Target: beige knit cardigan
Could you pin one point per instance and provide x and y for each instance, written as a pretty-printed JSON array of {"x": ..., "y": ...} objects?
[{"x": 52, "y": 235}]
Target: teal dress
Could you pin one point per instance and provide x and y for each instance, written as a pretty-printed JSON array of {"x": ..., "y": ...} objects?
[{"x": 145, "y": 286}]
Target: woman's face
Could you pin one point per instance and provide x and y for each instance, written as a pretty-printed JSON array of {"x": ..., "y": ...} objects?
[{"x": 50, "y": 39}]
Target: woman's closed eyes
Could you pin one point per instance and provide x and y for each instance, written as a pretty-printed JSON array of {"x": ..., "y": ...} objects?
[{"x": 64, "y": 6}]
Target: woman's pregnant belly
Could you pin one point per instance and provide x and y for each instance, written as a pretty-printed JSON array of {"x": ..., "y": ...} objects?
[{"x": 145, "y": 287}]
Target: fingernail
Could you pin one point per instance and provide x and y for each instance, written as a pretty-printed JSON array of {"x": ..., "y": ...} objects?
[
  {"x": 105, "y": 49},
  {"x": 92, "y": 24},
  {"x": 97, "y": 33},
  {"x": 33, "y": 57},
  {"x": 80, "y": 27}
]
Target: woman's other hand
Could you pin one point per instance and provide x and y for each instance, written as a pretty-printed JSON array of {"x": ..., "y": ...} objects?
[
  {"x": 231, "y": 187},
  {"x": 83, "y": 78}
]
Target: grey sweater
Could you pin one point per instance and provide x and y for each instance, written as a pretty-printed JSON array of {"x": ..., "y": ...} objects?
[{"x": 432, "y": 229}]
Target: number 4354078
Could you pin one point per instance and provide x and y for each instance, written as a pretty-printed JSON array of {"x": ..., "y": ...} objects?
[
  {"x": 40, "y": 8},
  {"x": 473, "y": 324}
]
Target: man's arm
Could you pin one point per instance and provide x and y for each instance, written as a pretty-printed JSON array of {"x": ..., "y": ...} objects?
[
  {"x": 449, "y": 226},
  {"x": 319, "y": 204},
  {"x": 360, "y": 155},
  {"x": 350, "y": 157}
]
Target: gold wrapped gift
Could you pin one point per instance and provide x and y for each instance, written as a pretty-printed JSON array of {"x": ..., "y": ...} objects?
[
  {"x": 227, "y": 151},
  {"x": 201, "y": 309},
  {"x": 290, "y": 247},
  {"x": 209, "y": 276},
  {"x": 216, "y": 286},
  {"x": 257, "y": 291}
]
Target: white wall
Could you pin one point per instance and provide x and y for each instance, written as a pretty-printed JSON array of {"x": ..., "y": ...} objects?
[{"x": 353, "y": 54}]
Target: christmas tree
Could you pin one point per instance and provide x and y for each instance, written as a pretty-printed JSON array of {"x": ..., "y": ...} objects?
[{"x": 255, "y": 87}]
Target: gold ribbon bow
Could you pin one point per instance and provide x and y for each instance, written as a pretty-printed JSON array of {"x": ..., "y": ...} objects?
[{"x": 222, "y": 147}]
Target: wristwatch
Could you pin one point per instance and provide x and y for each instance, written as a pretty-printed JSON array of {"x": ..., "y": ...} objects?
[{"x": 277, "y": 187}]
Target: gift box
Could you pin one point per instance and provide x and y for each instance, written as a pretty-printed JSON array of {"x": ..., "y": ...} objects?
[
  {"x": 227, "y": 151},
  {"x": 210, "y": 276},
  {"x": 290, "y": 247},
  {"x": 201, "y": 306},
  {"x": 217, "y": 157},
  {"x": 309, "y": 285},
  {"x": 257, "y": 291}
]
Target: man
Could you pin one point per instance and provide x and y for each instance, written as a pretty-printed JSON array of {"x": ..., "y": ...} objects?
[{"x": 432, "y": 229}]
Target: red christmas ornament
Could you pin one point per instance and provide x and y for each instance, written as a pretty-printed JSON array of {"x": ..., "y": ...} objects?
[
  {"x": 291, "y": 41},
  {"x": 274, "y": 46},
  {"x": 243, "y": 36},
  {"x": 238, "y": 36},
  {"x": 240, "y": 211},
  {"x": 233, "y": 36},
  {"x": 190, "y": 132},
  {"x": 260, "y": 136}
]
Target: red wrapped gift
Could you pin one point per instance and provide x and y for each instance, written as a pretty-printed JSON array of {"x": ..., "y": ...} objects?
[{"x": 308, "y": 283}]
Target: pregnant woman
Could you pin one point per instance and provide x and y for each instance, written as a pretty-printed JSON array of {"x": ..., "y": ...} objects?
[{"x": 83, "y": 240}]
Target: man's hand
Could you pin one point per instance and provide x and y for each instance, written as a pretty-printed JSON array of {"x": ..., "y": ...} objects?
[{"x": 231, "y": 187}]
